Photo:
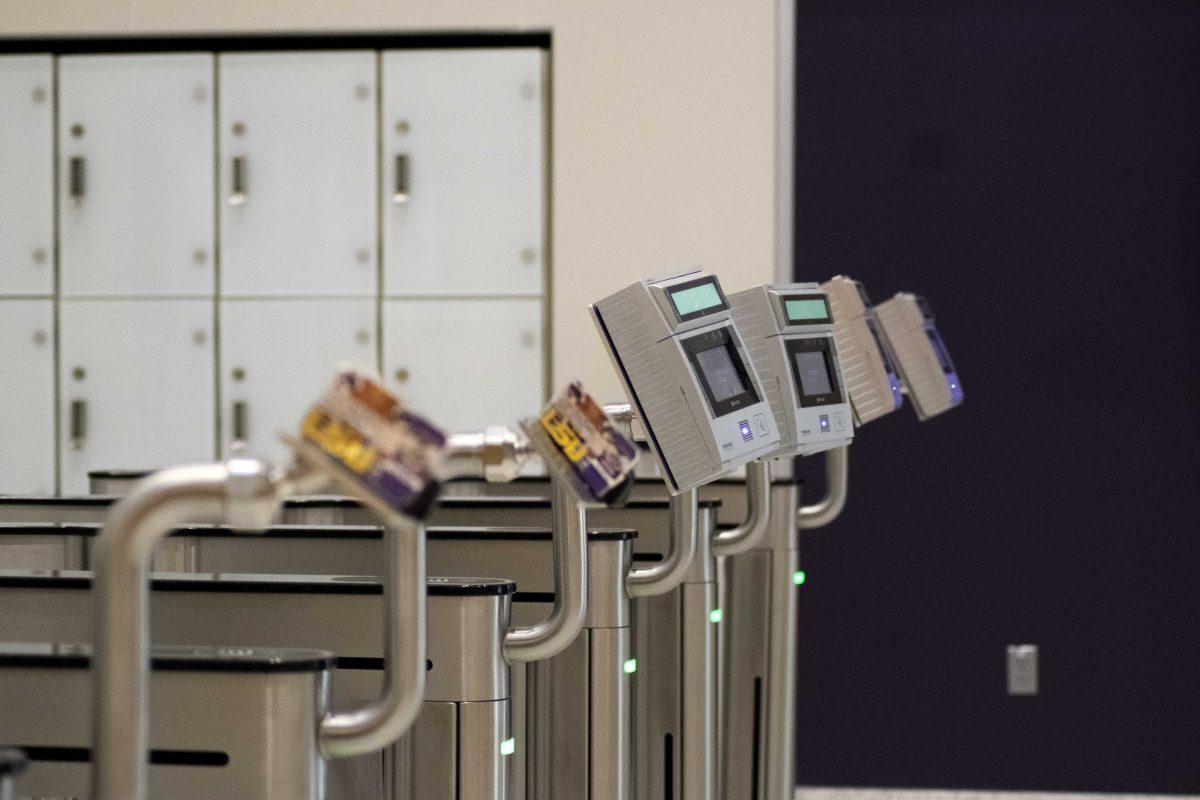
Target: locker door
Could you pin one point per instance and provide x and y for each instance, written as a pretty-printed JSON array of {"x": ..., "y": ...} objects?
[
  {"x": 27, "y": 397},
  {"x": 463, "y": 146},
  {"x": 26, "y": 175},
  {"x": 136, "y": 385},
  {"x": 465, "y": 363},
  {"x": 298, "y": 173},
  {"x": 279, "y": 356},
  {"x": 135, "y": 138}
]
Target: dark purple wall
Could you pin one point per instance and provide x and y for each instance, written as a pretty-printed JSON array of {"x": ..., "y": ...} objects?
[{"x": 1034, "y": 168}]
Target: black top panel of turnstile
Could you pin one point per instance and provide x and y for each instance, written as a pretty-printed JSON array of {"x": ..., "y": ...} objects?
[
  {"x": 173, "y": 658},
  {"x": 472, "y": 532},
  {"x": 540, "y": 480},
  {"x": 46, "y": 500},
  {"x": 533, "y": 501},
  {"x": 12, "y": 761},
  {"x": 503, "y": 501},
  {"x": 442, "y": 532},
  {"x": 470, "y": 587},
  {"x": 47, "y": 529},
  {"x": 236, "y": 583}
]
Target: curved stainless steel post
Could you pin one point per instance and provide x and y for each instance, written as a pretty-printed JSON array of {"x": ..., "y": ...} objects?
[
  {"x": 120, "y": 664},
  {"x": 750, "y": 533},
  {"x": 242, "y": 492},
  {"x": 382, "y": 722},
  {"x": 670, "y": 572},
  {"x": 820, "y": 514},
  {"x": 555, "y": 633}
]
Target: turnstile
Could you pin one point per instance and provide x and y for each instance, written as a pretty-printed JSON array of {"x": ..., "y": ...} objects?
[{"x": 227, "y": 722}]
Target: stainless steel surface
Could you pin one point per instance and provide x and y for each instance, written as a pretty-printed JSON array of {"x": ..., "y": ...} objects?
[
  {"x": 466, "y": 653},
  {"x": 656, "y": 694},
  {"x": 496, "y": 454},
  {"x": 608, "y": 603},
  {"x": 674, "y": 690},
  {"x": 484, "y": 766},
  {"x": 580, "y": 707},
  {"x": 751, "y": 532},
  {"x": 684, "y": 542},
  {"x": 122, "y": 556},
  {"x": 243, "y": 492},
  {"x": 425, "y": 762},
  {"x": 758, "y": 661},
  {"x": 264, "y": 722},
  {"x": 383, "y": 721},
  {"x": 610, "y": 732},
  {"x": 559, "y": 629},
  {"x": 698, "y": 693},
  {"x": 560, "y": 701},
  {"x": 837, "y": 481}
]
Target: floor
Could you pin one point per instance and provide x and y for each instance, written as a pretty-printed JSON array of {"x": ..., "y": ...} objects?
[{"x": 840, "y": 793}]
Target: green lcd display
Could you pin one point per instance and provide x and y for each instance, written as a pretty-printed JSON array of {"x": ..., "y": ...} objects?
[
  {"x": 806, "y": 310},
  {"x": 696, "y": 299}
]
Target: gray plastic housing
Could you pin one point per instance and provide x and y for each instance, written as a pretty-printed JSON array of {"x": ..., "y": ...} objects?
[
  {"x": 808, "y": 423},
  {"x": 924, "y": 364},
  {"x": 871, "y": 379},
  {"x": 652, "y": 345}
]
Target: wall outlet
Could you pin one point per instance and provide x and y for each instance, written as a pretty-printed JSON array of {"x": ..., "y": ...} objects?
[{"x": 1022, "y": 670}]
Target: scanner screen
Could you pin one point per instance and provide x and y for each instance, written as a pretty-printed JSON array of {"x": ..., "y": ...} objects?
[
  {"x": 720, "y": 373},
  {"x": 813, "y": 370}
]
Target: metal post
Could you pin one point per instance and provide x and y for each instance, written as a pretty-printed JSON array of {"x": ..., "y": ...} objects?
[
  {"x": 243, "y": 492},
  {"x": 382, "y": 722},
  {"x": 822, "y": 513},
  {"x": 670, "y": 572},
  {"x": 555, "y": 633},
  {"x": 750, "y": 533},
  {"x": 122, "y": 631}
]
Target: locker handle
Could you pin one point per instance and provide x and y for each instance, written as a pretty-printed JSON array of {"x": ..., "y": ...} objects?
[
  {"x": 239, "y": 421},
  {"x": 238, "y": 196},
  {"x": 78, "y": 424},
  {"x": 400, "y": 193},
  {"x": 77, "y": 180}
]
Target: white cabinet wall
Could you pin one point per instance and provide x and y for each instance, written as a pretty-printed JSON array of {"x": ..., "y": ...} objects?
[
  {"x": 298, "y": 173},
  {"x": 27, "y": 397},
  {"x": 376, "y": 207},
  {"x": 135, "y": 138},
  {"x": 26, "y": 175},
  {"x": 136, "y": 386},
  {"x": 463, "y": 150},
  {"x": 278, "y": 357},
  {"x": 465, "y": 363}
]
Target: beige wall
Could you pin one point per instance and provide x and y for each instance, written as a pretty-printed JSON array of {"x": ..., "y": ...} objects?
[{"x": 663, "y": 125}]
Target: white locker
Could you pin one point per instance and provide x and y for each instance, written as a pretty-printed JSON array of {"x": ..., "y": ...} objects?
[
  {"x": 464, "y": 172},
  {"x": 279, "y": 356},
  {"x": 298, "y": 173},
  {"x": 136, "y": 386},
  {"x": 26, "y": 175},
  {"x": 465, "y": 364},
  {"x": 135, "y": 139},
  {"x": 27, "y": 396}
]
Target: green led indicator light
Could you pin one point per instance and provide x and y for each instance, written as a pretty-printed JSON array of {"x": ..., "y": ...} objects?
[
  {"x": 631, "y": 666},
  {"x": 715, "y": 615},
  {"x": 508, "y": 747},
  {"x": 798, "y": 577}
]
